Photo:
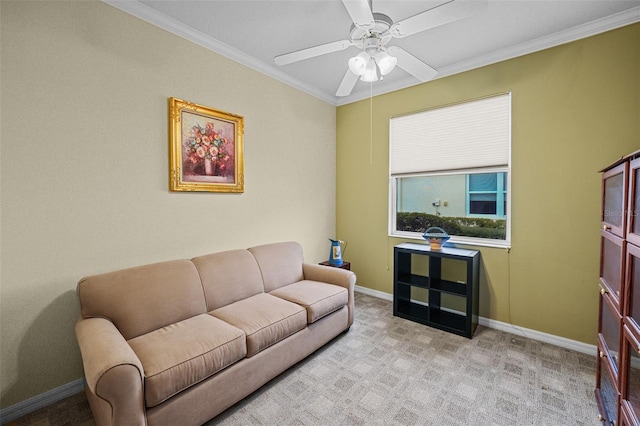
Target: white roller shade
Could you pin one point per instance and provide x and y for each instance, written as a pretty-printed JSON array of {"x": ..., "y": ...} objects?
[{"x": 462, "y": 136}]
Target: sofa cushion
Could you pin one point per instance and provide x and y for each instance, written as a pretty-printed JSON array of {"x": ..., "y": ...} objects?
[
  {"x": 144, "y": 298},
  {"x": 228, "y": 277},
  {"x": 319, "y": 299},
  {"x": 264, "y": 318},
  {"x": 182, "y": 354},
  {"x": 280, "y": 264}
]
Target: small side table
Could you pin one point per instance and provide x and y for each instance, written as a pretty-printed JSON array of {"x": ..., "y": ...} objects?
[{"x": 345, "y": 265}]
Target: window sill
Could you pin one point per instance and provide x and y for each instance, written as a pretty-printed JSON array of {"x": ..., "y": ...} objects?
[{"x": 455, "y": 241}]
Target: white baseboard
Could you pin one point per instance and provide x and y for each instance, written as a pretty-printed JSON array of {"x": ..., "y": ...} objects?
[
  {"x": 51, "y": 397},
  {"x": 40, "y": 401},
  {"x": 562, "y": 342},
  {"x": 374, "y": 293}
]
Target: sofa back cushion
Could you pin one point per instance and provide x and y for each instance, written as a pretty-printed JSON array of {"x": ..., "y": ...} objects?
[
  {"x": 145, "y": 298},
  {"x": 228, "y": 277},
  {"x": 280, "y": 264}
]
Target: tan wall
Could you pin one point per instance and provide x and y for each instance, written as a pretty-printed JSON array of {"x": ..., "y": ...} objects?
[
  {"x": 576, "y": 108},
  {"x": 84, "y": 166}
]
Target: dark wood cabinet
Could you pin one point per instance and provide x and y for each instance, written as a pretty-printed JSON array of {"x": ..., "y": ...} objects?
[
  {"x": 618, "y": 368},
  {"x": 438, "y": 288}
]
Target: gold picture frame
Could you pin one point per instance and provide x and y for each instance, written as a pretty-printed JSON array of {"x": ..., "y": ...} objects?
[{"x": 205, "y": 148}]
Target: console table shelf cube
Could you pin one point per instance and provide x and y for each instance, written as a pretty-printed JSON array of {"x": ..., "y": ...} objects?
[{"x": 438, "y": 288}]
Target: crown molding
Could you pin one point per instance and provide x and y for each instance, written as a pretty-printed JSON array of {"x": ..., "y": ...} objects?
[
  {"x": 552, "y": 40},
  {"x": 150, "y": 15},
  {"x": 589, "y": 29}
]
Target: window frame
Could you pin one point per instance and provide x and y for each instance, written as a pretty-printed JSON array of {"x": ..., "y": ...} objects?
[
  {"x": 455, "y": 239},
  {"x": 424, "y": 146}
]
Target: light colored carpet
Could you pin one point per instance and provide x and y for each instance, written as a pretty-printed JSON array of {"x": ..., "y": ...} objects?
[{"x": 390, "y": 371}]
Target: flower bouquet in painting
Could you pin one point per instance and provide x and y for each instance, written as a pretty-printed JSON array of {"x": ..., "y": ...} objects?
[{"x": 207, "y": 152}]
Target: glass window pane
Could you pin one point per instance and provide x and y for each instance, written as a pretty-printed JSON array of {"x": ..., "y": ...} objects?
[
  {"x": 444, "y": 201},
  {"x": 483, "y": 182},
  {"x": 635, "y": 210},
  {"x": 634, "y": 281},
  {"x": 633, "y": 383},
  {"x": 611, "y": 332},
  {"x": 482, "y": 206},
  {"x": 613, "y": 199},
  {"x": 483, "y": 197},
  {"x": 612, "y": 266},
  {"x": 608, "y": 393}
]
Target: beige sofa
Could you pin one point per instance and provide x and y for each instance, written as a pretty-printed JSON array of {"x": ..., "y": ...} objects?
[{"x": 178, "y": 342}]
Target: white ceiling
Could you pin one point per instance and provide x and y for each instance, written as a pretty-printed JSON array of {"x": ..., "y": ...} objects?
[{"x": 252, "y": 32}]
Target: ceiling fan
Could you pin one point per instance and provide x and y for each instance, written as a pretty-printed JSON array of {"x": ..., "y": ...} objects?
[{"x": 371, "y": 32}]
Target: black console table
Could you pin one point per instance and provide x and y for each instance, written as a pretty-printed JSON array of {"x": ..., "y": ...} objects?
[{"x": 438, "y": 288}]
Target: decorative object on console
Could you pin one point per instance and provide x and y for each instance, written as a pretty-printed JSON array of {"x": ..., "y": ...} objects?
[
  {"x": 436, "y": 237},
  {"x": 206, "y": 148}
]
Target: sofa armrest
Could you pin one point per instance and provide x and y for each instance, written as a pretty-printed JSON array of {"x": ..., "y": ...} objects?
[
  {"x": 336, "y": 276},
  {"x": 112, "y": 370}
]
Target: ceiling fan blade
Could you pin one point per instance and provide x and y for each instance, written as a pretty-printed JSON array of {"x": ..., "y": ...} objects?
[
  {"x": 360, "y": 12},
  {"x": 440, "y": 15},
  {"x": 348, "y": 83},
  {"x": 311, "y": 52},
  {"x": 411, "y": 64}
]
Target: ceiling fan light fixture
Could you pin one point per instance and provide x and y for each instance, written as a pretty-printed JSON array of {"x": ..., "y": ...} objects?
[
  {"x": 358, "y": 64},
  {"x": 385, "y": 62},
  {"x": 371, "y": 72},
  {"x": 371, "y": 32}
]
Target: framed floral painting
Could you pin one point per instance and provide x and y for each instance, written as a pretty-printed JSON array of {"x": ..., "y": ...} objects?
[{"x": 205, "y": 148}]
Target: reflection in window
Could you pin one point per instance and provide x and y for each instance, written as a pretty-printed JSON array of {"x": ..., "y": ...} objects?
[
  {"x": 487, "y": 194},
  {"x": 463, "y": 204}
]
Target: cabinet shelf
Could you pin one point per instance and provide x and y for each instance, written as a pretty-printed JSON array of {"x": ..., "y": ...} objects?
[
  {"x": 448, "y": 319},
  {"x": 445, "y": 286},
  {"x": 447, "y": 304},
  {"x": 414, "y": 280},
  {"x": 417, "y": 312}
]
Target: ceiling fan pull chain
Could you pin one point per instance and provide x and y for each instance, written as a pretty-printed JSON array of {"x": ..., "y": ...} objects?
[{"x": 371, "y": 123}]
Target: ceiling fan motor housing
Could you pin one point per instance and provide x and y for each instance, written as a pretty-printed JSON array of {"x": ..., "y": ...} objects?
[
  {"x": 372, "y": 44},
  {"x": 374, "y": 36}
]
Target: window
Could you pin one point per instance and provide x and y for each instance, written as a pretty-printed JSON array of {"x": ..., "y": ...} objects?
[
  {"x": 450, "y": 167},
  {"x": 487, "y": 195}
]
